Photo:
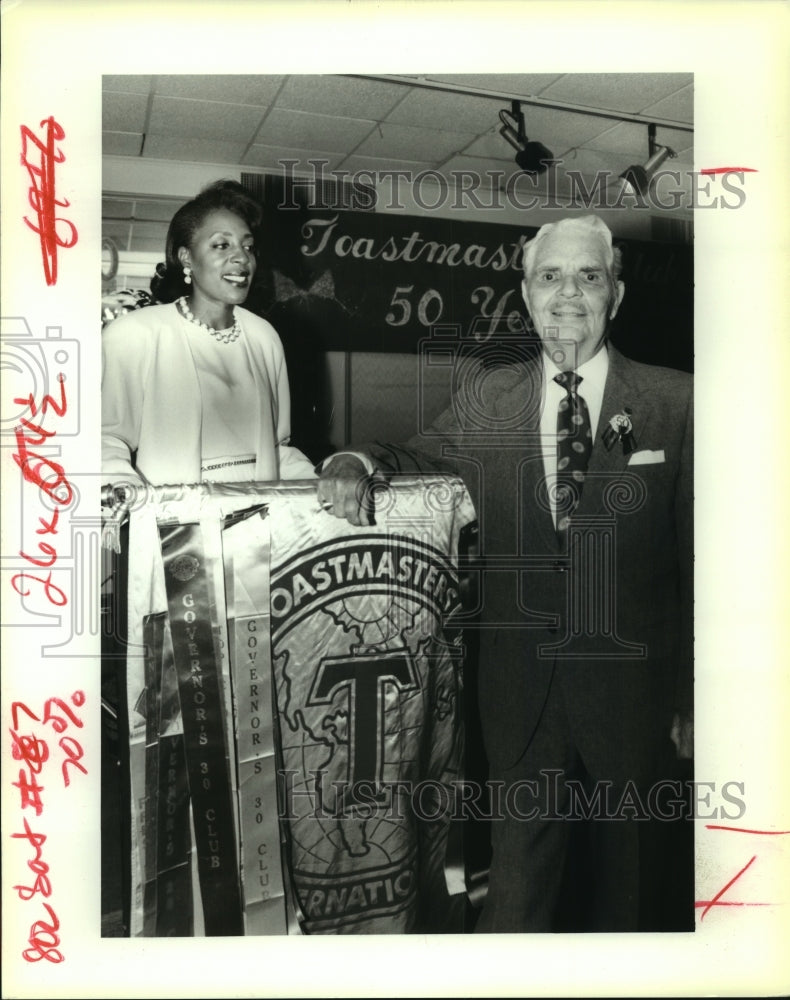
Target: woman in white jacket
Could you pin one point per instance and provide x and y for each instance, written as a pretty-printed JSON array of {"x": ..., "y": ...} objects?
[{"x": 196, "y": 388}]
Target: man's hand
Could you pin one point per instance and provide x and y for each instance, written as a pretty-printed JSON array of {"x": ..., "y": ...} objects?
[
  {"x": 344, "y": 489},
  {"x": 682, "y": 735}
]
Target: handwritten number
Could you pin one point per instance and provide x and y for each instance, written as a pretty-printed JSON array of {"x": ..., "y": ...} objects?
[
  {"x": 25, "y": 709},
  {"x": 58, "y": 724},
  {"x": 32, "y": 751},
  {"x": 52, "y": 591},
  {"x": 43, "y": 939},
  {"x": 36, "y": 429},
  {"x": 32, "y": 473},
  {"x": 48, "y": 401},
  {"x": 50, "y": 477},
  {"x": 47, "y": 550},
  {"x": 73, "y": 752}
]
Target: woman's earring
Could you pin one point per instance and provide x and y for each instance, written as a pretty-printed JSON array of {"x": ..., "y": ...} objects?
[{"x": 187, "y": 275}]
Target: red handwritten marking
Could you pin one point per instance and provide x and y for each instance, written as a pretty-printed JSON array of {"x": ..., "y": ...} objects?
[
  {"x": 741, "y": 829},
  {"x": 57, "y": 487},
  {"x": 57, "y": 722},
  {"x": 73, "y": 752},
  {"x": 52, "y": 591},
  {"x": 39, "y": 868},
  {"x": 729, "y": 170},
  {"x": 41, "y": 194},
  {"x": 43, "y": 938},
  {"x": 33, "y": 752},
  {"x": 708, "y": 903},
  {"x": 47, "y": 403},
  {"x": 17, "y": 705},
  {"x": 714, "y": 902},
  {"x": 31, "y": 791}
]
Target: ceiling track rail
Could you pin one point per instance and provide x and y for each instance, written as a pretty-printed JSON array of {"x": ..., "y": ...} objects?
[{"x": 537, "y": 102}]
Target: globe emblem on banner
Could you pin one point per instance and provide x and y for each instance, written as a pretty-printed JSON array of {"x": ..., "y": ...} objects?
[
  {"x": 184, "y": 568},
  {"x": 357, "y": 693}
]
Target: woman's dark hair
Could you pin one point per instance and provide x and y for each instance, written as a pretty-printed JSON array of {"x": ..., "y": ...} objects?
[{"x": 168, "y": 282}]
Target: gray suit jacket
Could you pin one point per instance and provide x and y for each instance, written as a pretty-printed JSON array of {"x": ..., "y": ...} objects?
[{"x": 610, "y": 618}]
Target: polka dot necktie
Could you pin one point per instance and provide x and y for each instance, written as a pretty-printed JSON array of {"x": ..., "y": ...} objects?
[{"x": 574, "y": 446}]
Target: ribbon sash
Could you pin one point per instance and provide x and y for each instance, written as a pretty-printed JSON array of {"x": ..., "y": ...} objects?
[
  {"x": 198, "y": 668},
  {"x": 246, "y": 549},
  {"x": 167, "y": 897}
]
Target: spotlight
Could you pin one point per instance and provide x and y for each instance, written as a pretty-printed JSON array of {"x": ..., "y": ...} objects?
[
  {"x": 636, "y": 179},
  {"x": 534, "y": 158},
  {"x": 531, "y": 157}
]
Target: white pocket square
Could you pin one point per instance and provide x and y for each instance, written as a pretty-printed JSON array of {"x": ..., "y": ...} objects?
[{"x": 646, "y": 457}]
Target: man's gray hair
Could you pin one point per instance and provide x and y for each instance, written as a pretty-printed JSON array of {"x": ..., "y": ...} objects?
[{"x": 585, "y": 223}]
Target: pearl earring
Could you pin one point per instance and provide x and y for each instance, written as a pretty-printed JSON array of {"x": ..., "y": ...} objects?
[{"x": 187, "y": 275}]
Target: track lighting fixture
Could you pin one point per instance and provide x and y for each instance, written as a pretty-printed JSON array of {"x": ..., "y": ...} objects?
[
  {"x": 531, "y": 157},
  {"x": 636, "y": 179}
]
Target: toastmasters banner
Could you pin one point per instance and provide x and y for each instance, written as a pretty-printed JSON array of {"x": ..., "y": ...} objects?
[
  {"x": 295, "y": 711},
  {"x": 378, "y": 281}
]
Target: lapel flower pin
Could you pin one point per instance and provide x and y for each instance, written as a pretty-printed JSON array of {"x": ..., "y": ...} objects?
[{"x": 620, "y": 427}]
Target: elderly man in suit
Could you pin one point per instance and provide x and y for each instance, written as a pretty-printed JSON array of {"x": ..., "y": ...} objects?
[{"x": 580, "y": 464}]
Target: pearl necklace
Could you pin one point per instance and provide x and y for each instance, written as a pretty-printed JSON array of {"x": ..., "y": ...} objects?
[{"x": 225, "y": 336}]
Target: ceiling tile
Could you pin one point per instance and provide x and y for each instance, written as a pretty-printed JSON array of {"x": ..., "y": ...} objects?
[
  {"x": 629, "y": 92},
  {"x": 361, "y": 124},
  {"x": 678, "y": 107},
  {"x": 171, "y": 147},
  {"x": 124, "y": 112},
  {"x": 270, "y": 156},
  {"x": 521, "y": 188},
  {"x": 564, "y": 129},
  {"x": 173, "y": 116},
  {"x": 681, "y": 142},
  {"x": 561, "y": 130},
  {"x": 557, "y": 130},
  {"x": 625, "y": 138},
  {"x": 412, "y": 143},
  {"x": 375, "y": 165},
  {"x": 121, "y": 143},
  {"x": 433, "y": 109},
  {"x": 590, "y": 162},
  {"x": 350, "y": 97},
  {"x": 632, "y": 140},
  {"x": 299, "y": 130},
  {"x": 484, "y": 173},
  {"x": 491, "y": 146},
  {"x": 234, "y": 88},
  {"x": 129, "y": 83}
]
